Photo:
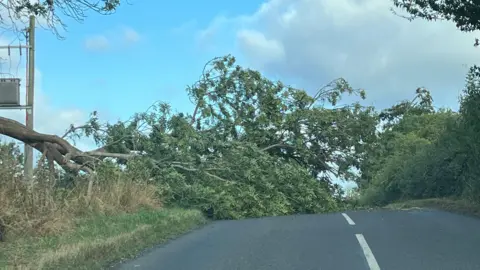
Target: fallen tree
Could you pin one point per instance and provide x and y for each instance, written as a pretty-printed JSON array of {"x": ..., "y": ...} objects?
[
  {"x": 56, "y": 148},
  {"x": 248, "y": 136}
]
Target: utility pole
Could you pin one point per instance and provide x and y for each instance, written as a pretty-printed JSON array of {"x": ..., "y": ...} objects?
[
  {"x": 10, "y": 92},
  {"x": 30, "y": 96}
]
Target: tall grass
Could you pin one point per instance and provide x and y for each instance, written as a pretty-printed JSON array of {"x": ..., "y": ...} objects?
[
  {"x": 41, "y": 207},
  {"x": 51, "y": 224}
]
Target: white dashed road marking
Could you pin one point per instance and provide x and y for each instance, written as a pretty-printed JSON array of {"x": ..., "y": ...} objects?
[
  {"x": 372, "y": 263},
  {"x": 349, "y": 220}
]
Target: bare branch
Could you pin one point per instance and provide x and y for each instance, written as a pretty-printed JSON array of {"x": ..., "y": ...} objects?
[
  {"x": 207, "y": 173},
  {"x": 56, "y": 148},
  {"x": 73, "y": 128},
  {"x": 110, "y": 155},
  {"x": 278, "y": 145}
]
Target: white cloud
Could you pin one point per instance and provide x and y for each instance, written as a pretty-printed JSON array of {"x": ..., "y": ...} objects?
[
  {"x": 130, "y": 36},
  {"x": 204, "y": 37},
  {"x": 123, "y": 36},
  {"x": 213, "y": 28},
  {"x": 262, "y": 51},
  {"x": 315, "y": 41},
  {"x": 97, "y": 43},
  {"x": 185, "y": 27}
]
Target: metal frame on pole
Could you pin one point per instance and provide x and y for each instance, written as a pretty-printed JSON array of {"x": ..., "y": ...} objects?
[
  {"x": 15, "y": 47},
  {"x": 30, "y": 77}
]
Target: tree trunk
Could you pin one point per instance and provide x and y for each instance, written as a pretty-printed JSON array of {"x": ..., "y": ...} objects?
[{"x": 56, "y": 148}]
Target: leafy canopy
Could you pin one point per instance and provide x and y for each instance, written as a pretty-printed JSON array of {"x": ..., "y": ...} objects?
[
  {"x": 425, "y": 153},
  {"x": 465, "y": 14},
  {"x": 251, "y": 147}
]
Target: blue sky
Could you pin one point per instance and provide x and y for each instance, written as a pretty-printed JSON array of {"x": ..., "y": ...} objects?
[
  {"x": 148, "y": 51},
  {"x": 121, "y": 80}
]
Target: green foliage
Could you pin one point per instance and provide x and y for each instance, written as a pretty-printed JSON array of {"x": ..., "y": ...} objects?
[
  {"x": 427, "y": 154},
  {"x": 10, "y": 157},
  {"x": 389, "y": 178},
  {"x": 239, "y": 104},
  {"x": 252, "y": 147},
  {"x": 463, "y": 13},
  {"x": 240, "y": 181}
]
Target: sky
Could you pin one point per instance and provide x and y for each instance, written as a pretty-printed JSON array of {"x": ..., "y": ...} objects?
[{"x": 148, "y": 51}]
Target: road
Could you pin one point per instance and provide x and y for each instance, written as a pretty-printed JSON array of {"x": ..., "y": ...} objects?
[{"x": 359, "y": 240}]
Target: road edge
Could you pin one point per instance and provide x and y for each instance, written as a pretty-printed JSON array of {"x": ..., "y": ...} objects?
[{"x": 457, "y": 206}]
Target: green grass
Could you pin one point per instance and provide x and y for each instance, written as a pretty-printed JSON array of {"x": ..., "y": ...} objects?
[
  {"x": 99, "y": 241},
  {"x": 451, "y": 205}
]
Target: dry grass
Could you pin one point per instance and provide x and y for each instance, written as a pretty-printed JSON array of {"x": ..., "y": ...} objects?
[
  {"x": 49, "y": 227},
  {"x": 41, "y": 209},
  {"x": 99, "y": 241},
  {"x": 451, "y": 205}
]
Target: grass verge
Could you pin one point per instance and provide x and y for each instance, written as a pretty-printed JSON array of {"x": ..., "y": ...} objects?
[
  {"x": 99, "y": 241},
  {"x": 451, "y": 205}
]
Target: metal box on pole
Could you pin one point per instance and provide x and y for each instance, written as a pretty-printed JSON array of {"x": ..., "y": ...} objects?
[{"x": 9, "y": 92}]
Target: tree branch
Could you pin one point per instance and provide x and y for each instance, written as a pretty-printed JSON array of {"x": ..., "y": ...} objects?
[
  {"x": 57, "y": 148},
  {"x": 279, "y": 145}
]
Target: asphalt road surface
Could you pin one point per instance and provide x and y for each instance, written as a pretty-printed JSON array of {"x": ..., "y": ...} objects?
[{"x": 359, "y": 240}]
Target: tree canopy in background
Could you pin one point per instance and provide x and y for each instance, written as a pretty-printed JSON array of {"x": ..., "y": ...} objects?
[
  {"x": 465, "y": 14},
  {"x": 427, "y": 154},
  {"x": 423, "y": 152}
]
